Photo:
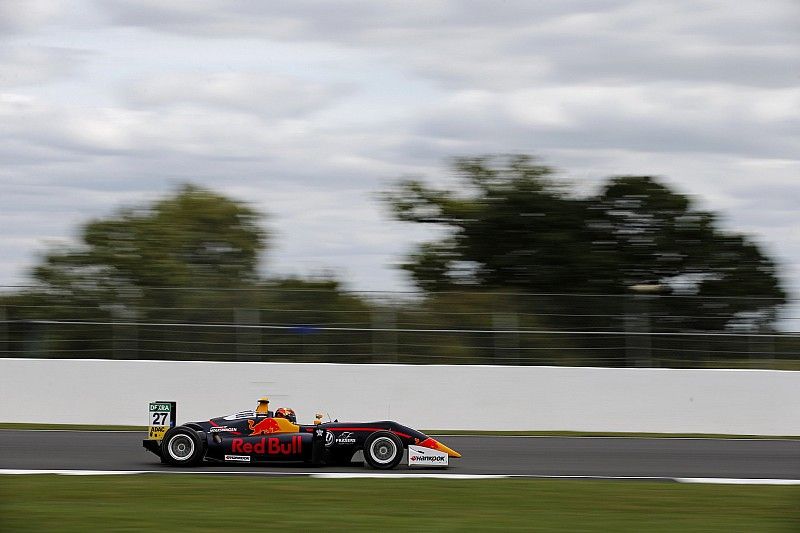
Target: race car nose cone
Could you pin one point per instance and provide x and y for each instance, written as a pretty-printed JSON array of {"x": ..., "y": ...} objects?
[{"x": 436, "y": 445}]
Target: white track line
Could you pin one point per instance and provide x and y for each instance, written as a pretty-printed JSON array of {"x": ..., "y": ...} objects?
[
  {"x": 415, "y": 475},
  {"x": 320, "y": 475},
  {"x": 418, "y": 475},
  {"x": 737, "y": 481},
  {"x": 13, "y": 472},
  {"x": 129, "y": 472}
]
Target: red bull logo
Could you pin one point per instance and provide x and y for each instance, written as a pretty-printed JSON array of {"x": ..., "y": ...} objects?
[
  {"x": 269, "y": 446},
  {"x": 263, "y": 427}
]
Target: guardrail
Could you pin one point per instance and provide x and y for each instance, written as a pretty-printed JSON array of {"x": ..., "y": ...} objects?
[{"x": 495, "y": 328}]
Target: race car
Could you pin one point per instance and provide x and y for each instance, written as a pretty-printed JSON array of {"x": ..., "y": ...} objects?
[{"x": 261, "y": 436}]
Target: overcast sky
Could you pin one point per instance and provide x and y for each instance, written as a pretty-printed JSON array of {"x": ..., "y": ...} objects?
[{"x": 307, "y": 108}]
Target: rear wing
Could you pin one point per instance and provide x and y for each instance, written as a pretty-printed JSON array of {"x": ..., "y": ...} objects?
[{"x": 161, "y": 417}]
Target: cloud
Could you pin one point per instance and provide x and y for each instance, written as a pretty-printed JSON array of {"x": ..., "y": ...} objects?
[
  {"x": 17, "y": 16},
  {"x": 520, "y": 43},
  {"x": 655, "y": 118},
  {"x": 32, "y": 65},
  {"x": 307, "y": 108},
  {"x": 267, "y": 95}
]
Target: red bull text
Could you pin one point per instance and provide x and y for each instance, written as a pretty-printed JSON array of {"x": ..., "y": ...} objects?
[{"x": 269, "y": 446}]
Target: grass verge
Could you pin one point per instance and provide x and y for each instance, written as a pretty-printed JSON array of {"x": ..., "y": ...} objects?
[{"x": 213, "y": 503}]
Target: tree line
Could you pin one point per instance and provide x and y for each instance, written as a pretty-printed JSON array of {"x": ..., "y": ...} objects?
[{"x": 519, "y": 247}]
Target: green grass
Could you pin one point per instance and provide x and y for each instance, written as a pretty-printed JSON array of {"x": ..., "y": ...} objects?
[
  {"x": 90, "y": 427},
  {"x": 217, "y": 503}
]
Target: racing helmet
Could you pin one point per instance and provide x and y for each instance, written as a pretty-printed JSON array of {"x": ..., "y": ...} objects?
[{"x": 285, "y": 412}]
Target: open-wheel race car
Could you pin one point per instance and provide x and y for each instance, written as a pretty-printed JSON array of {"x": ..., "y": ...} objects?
[{"x": 263, "y": 436}]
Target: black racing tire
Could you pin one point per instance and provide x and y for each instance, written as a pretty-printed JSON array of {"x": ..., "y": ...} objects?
[
  {"x": 182, "y": 446},
  {"x": 383, "y": 450}
]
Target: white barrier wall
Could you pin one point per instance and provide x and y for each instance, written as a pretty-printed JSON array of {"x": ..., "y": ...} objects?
[{"x": 757, "y": 402}]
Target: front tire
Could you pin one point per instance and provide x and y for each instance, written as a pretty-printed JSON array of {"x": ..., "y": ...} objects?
[
  {"x": 182, "y": 446},
  {"x": 383, "y": 450}
]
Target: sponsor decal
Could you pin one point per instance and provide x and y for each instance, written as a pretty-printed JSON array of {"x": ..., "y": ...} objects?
[
  {"x": 263, "y": 427},
  {"x": 219, "y": 429},
  {"x": 328, "y": 438},
  {"x": 269, "y": 446},
  {"x": 345, "y": 437},
  {"x": 240, "y": 458},
  {"x": 156, "y": 432},
  {"x": 240, "y": 415},
  {"x": 419, "y": 456},
  {"x": 370, "y": 429},
  {"x": 428, "y": 459}
]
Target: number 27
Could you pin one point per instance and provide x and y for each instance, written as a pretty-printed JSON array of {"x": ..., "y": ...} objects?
[{"x": 159, "y": 419}]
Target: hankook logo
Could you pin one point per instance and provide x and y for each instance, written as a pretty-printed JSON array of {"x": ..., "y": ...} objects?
[
  {"x": 419, "y": 456},
  {"x": 427, "y": 459}
]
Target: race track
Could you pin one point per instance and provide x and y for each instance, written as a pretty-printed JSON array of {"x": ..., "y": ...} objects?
[{"x": 483, "y": 455}]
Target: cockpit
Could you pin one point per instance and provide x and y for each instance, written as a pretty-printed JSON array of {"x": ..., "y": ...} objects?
[{"x": 262, "y": 409}]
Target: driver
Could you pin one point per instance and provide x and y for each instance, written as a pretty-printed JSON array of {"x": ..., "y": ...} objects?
[{"x": 288, "y": 414}]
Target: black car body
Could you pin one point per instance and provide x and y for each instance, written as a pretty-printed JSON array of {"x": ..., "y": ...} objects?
[{"x": 251, "y": 437}]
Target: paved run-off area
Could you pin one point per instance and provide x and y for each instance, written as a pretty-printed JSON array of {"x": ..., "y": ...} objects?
[
  {"x": 482, "y": 455},
  {"x": 272, "y": 497}
]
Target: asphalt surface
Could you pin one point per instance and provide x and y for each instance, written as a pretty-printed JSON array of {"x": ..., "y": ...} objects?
[{"x": 530, "y": 456}]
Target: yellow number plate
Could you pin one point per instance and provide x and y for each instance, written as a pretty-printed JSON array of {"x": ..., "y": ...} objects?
[{"x": 157, "y": 432}]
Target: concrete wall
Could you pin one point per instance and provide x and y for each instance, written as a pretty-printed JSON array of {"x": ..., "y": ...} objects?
[{"x": 434, "y": 397}]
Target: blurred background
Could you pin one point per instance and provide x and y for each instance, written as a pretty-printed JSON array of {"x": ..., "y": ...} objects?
[
  {"x": 525, "y": 273},
  {"x": 593, "y": 183},
  {"x": 603, "y": 183}
]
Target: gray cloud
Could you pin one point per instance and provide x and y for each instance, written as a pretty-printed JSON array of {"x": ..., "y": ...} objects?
[
  {"x": 658, "y": 118},
  {"x": 31, "y": 65},
  {"x": 18, "y": 16},
  {"x": 479, "y": 44},
  {"x": 306, "y": 109},
  {"x": 263, "y": 94}
]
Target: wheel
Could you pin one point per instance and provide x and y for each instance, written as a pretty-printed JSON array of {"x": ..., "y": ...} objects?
[
  {"x": 182, "y": 447},
  {"x": 383, "y": 450}
]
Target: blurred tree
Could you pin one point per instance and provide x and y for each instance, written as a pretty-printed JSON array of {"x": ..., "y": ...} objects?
[
  {"x": 139, "y": 282},
  {"x": 654, "y": 235},
  {"x": 306, "y": 304},
  {"x": 140, "y": 264},
  {"x": 195, "y": 238},
  {"x": 511, "y": 226}
]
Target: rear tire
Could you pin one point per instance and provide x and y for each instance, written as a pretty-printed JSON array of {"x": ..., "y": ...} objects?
[
  {"x": 182, "y": 446},
  {"x": 383, "y": 450}
]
